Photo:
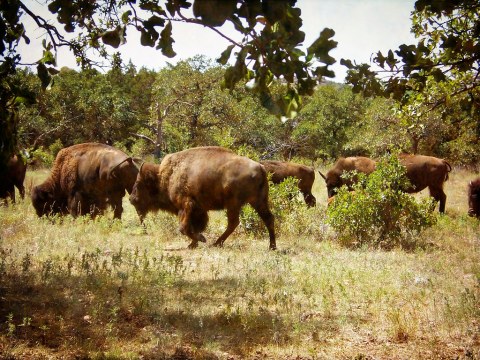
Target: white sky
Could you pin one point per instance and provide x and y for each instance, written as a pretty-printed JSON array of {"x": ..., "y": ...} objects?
[{"x": 362, "y": 27}]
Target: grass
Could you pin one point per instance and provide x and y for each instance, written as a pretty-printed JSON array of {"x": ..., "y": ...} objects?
[{"x": 104, "y": 289}]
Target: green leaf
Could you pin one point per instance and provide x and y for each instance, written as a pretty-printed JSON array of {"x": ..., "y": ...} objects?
[
  {"x": 166, "y": 41},
  {"x": 126, "y": 16},
  {"x": 225, "y": 55},
  {"x": 112, "y": 38},
  {"x": 322, "y": 46},
  {"x": 48, "y": 58},
  {"x": 43, "y": 75}
]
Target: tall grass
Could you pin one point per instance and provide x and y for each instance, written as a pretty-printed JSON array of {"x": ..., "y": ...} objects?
[{"x": 104, "y": 289}]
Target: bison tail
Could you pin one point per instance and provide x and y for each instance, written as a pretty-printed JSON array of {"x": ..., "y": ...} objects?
[
  {"x": 323, "y": 176},
  {"x": 449, "y": 168},
  {"x": 199, "y": 220}
]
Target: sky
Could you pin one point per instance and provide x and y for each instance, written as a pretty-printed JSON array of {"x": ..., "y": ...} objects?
[{"x": 362, "y": 27}]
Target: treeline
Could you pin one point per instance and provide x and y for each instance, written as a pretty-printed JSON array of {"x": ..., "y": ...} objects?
[{"x": 146, "y": 112}]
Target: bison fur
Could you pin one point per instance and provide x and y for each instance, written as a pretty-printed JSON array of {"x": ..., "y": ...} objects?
[
  {"x": 305, "y": 175},
  {"x": 13, "y": 176},
  {"x": 474, "y": 198},
  {"x": 189, "y": 183},
  {"x": 85, "y": 179},
  {"x": 422, "y": 172}
]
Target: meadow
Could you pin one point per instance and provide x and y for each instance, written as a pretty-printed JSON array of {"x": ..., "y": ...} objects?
[{"x": 105, "y": 289}]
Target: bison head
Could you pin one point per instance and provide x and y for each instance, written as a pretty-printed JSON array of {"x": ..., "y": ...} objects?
[
  {"x": 44, "y": 202},
  {"x": 145, "y": 191}
]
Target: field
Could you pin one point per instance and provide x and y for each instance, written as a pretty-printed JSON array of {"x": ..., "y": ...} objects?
[{"x": 104, "y": 289}]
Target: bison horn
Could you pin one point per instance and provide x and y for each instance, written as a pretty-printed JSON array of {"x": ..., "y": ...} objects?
[
  {"x": 323, "y": 176},
  {"x": 138, "y": 162}
]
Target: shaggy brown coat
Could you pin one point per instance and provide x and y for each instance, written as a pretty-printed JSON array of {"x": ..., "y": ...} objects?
[
  {"x": 280, "y": 170},
  {"x": 422, "y": 171},
  {"x": 474, "y": 198},
  {"x": 85, "y": 179},
  {"x": 192, "y": 182},
  {"x": 14, "y": 176},
  {"x": 334, "y": 179},
  {"x": 427, "y": 171}
]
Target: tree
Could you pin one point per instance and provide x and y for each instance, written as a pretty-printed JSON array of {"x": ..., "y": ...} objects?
[
  {"x": 322, "y": 128},
  {"x": 448, "y": 50},
  {"x": 269, "y": 47}
]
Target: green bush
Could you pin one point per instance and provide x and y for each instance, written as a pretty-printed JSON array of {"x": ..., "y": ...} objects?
[
  {"x": 284, "y": 199},
  {"x": 42, "y": 158},
  {"x": 379, "y": 213}
]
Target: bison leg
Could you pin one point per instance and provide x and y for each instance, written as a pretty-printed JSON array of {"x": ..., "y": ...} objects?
[
  {"x": 233, "y": 221},
  {"x": 115, "y": 202},
  {"x": 75, "y": 204},
  {"x": 21, "y": 190},
  {"x": 310, "y": 200},
  {"x": 267, "y": 217},
  {"x": 439, "y": 195},
  {"x": 186, "y": 227}
]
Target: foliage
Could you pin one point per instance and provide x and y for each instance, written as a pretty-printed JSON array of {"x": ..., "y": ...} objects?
[
  {"x": 269, "y": 45},
  {"x": 322, "y": 128},
  {"x": 284, "y": 198},
  {"x": 378, "y": 212},
  {"x": 448, "y": 34}
]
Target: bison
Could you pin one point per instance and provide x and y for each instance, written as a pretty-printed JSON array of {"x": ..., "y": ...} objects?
[
  {"x": 422, "y": 172},
  {"x": 13, "y": 176},
  {"x": 305, "y": 175},
  {"x": 474, "y": 198},
  {"x": 334, "y": 179},
  {"x": 191, "y": 182},
  {"x": 427, "y": 171},
  {"x": 85, "y": 179}
]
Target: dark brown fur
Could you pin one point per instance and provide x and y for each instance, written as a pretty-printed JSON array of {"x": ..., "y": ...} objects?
[
  {"x": 422, "y": 171},
  {"x": 280, "y": 170},
  {"x": 85, "y": 179},
  {"x": 13, "y": 176},
  {"x": 427, "y": 171},
  {"x": 474, "y": 198},
  {"x": 334, "y": 179},
  {"x": 192, "y": 182}
]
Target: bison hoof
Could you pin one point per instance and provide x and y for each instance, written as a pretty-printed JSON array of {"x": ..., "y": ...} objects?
[
  {"x": 193, "y": 245},
  {"x": 202, "y": 238},
  {"x": 218, "y": 244}
]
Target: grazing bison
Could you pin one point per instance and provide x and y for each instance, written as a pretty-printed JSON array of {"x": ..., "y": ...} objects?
[
  {"x": 85, "y": 179},
  {"x": 474, "y": 198},
  {"x": 306, "y": 176},
  {"x": 422, "y": 171},
  {"x": 13, "y": 176},
  {"x": 189, "y": 183},
  {"x": 334, "y": 179},
  {"x": 427, "y": 171}
]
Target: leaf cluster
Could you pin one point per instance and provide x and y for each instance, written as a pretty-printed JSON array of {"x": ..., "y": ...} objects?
[
  {"x": 378, "y": 213},
  {"x": 448, "y": 46}
]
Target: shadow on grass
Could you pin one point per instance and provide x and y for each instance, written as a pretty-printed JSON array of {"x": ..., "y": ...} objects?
[{"x": 89, "y": 314}]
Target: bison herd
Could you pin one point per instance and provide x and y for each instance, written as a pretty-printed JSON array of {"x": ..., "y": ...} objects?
[{"x": 87, "y": 178}]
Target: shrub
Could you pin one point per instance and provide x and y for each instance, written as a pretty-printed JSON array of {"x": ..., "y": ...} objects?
[
  {"x": 379, "y": 213},
  {"x": 284, "y": 199},
  {"x": 42, "y": 158}
]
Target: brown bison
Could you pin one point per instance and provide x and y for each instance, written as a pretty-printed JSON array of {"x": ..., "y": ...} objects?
[
  {"x": 474, "y": 198},
  {"x": 85, "y": 179},
  {"x": 422, "y": 171},
  {"x": 306, "y": 176},
  {"x": 13, "y": 176},
  {"x": 334, "y": 179},
  {"x": 189, "y": 183},
  {"x": 427, "y": 171}
]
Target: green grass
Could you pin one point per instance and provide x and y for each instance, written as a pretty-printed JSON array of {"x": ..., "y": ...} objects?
[{"x": 104, "y": 289}]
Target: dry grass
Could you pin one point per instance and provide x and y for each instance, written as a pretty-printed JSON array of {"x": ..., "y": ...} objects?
[{"x": 107, "y": 290}]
